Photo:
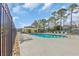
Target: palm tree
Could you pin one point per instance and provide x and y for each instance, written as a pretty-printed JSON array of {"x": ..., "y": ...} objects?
[
  {"x": 55, "y": 17},
  {"x": 39, "y": 24},
  {"x": 52, "y": 20},
  {"x": 61, "y": 14},
  {"x": 71, "y": 9},
  {"x": 43, "y": 21},
  {"x": 48, "y": 21},
  {"x": 54, "y": 14},
  {"x": 35, "y": 23}
]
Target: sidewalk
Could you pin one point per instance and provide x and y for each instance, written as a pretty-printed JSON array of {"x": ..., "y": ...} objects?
[
  {"x": 16, "y": 48},
  {"x": 49, "y": 47}
]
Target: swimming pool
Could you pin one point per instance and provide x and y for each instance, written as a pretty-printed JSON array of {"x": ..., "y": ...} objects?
[{"x": 48, "y": 35}]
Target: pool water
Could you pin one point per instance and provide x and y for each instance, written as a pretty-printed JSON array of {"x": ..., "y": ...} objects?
[{"x": 48, "y": 35}]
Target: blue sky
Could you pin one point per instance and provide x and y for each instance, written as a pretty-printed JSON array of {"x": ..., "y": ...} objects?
[{"x": 25, "y": 13}]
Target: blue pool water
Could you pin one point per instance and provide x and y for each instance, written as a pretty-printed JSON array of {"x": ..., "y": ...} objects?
[{"x": 48, "y": 35}]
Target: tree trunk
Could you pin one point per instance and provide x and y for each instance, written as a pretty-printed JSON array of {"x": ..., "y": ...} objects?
[
  {"x": 61, "y": 22},
  {"x": 71, "y": 23}
]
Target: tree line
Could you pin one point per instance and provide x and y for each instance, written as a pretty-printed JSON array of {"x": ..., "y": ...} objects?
[{"x": 57, "y": 19}]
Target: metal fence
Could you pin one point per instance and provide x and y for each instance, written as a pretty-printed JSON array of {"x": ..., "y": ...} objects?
[{"x": 8, "y": 31}]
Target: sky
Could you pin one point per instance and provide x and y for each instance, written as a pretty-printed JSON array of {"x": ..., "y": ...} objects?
[{"x": 24, "y": 14}]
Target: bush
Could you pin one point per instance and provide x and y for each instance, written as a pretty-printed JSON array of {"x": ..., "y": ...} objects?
[
  {"x": 57, "y": 27},
  {"x": 50, "y": 29}
]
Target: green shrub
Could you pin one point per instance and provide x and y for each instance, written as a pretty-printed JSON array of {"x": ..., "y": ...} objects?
[{"x": 57, "y": 27}]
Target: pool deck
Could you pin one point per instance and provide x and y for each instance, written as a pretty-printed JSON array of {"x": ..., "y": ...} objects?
[{"x": 49, "y": 47}]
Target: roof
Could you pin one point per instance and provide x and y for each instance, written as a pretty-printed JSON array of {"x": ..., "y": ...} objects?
[{"x": 29, "y": 27}]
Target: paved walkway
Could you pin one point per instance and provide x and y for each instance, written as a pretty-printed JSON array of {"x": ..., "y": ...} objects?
[{"x": 49, "y": 47}]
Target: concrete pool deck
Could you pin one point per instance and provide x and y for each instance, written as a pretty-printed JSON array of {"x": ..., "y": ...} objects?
[{"x": 49, "y": 47}]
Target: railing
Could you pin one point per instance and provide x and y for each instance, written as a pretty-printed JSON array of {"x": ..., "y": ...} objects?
[{"x": 8, "y": 32}]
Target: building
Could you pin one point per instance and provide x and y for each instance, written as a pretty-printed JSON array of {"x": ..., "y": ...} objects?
[
  {"x": 7, "y": 30},
  {"x": 29, "y": 29}
]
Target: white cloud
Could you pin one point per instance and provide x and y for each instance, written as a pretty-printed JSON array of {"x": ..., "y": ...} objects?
[
  {"x": 46, "y": 6},
  {"x": 16, "y": 9},
  {"x": 64, "y": 6},
  {"x": 20, "y": 24},
  {"x": 31, "y": 6},
  {"x": 15, "y": 18}
]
